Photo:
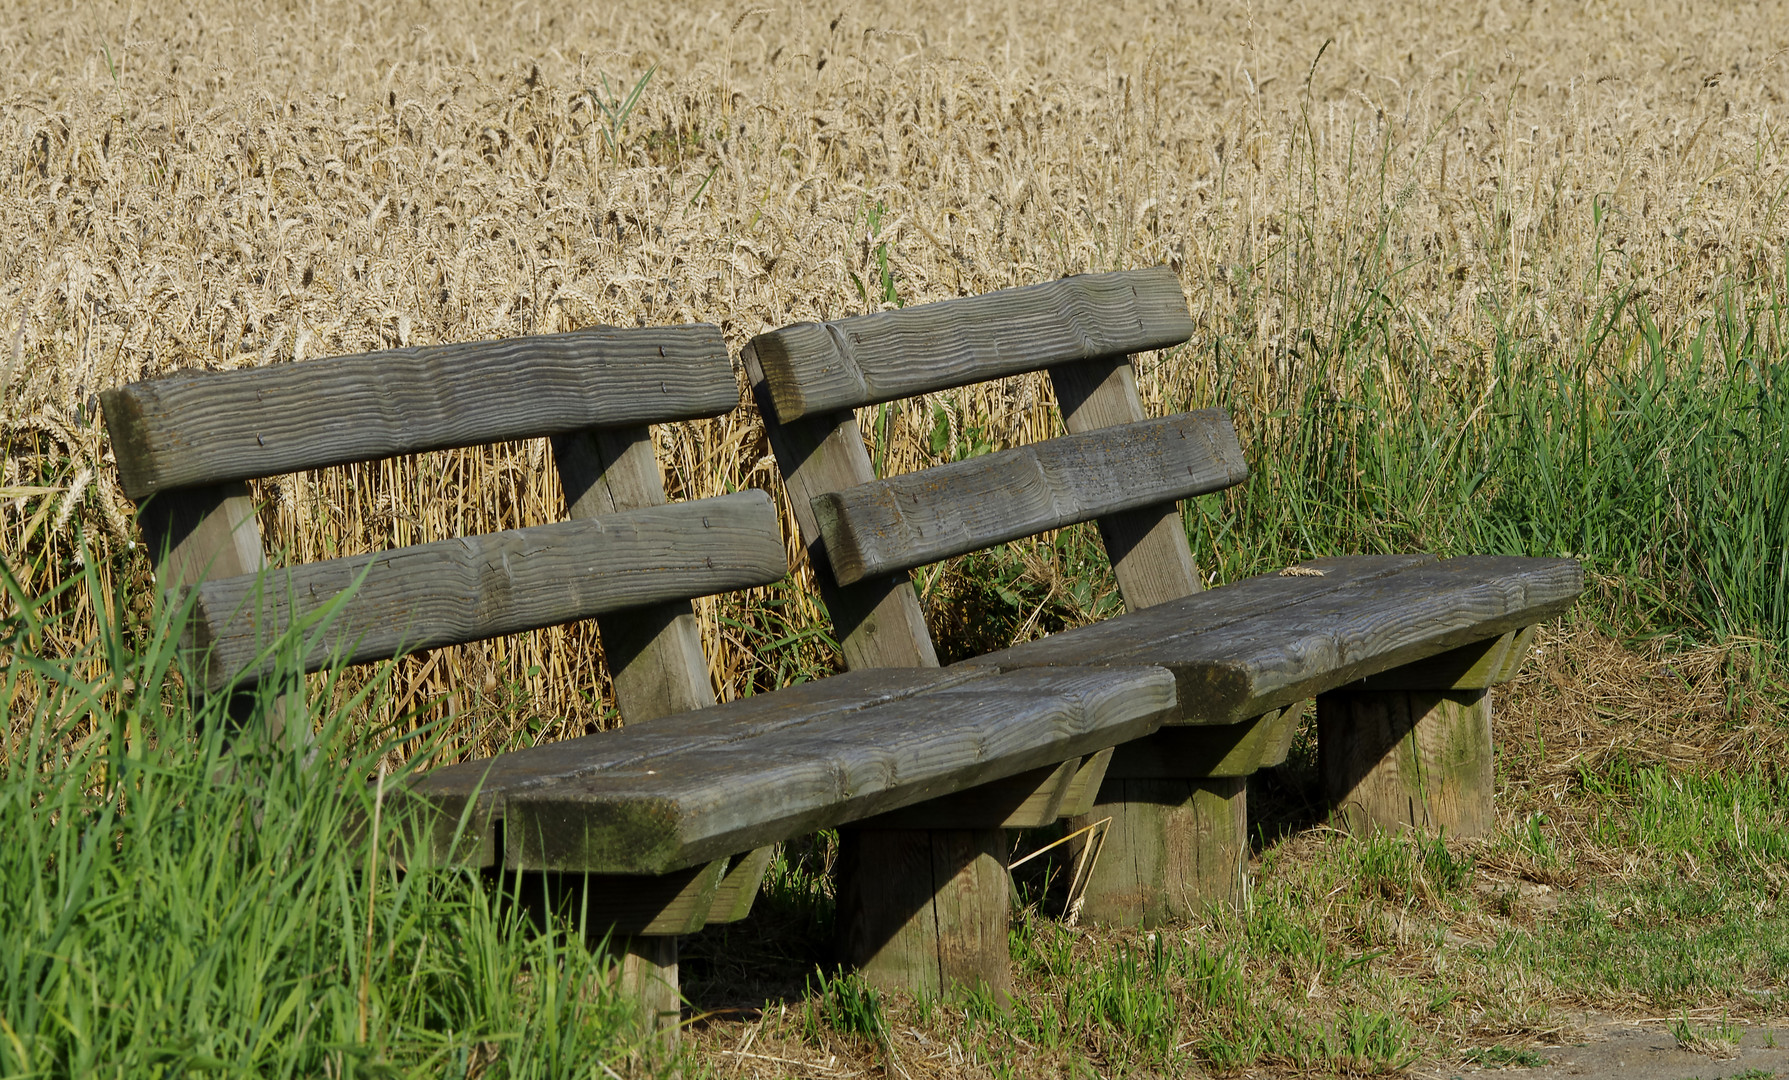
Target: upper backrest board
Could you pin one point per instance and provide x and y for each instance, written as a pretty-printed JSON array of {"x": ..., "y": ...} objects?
[
  {"x": 814, "y": 368},
  {"x": 202, "y": 428}
]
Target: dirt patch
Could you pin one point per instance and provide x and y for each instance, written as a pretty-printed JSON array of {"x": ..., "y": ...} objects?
[{"x": 1652, "y": 1048}]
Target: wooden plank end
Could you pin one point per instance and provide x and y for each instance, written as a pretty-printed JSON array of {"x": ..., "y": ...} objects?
[{"x": 123, "y": 409}]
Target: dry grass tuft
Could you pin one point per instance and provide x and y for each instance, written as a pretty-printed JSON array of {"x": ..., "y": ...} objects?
[{"x": 1585, "y": 701}]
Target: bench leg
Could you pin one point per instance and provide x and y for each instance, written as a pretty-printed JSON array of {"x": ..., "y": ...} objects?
[
  {"x": 646, "y": 970},
  {"x": 1407, "y": 759},
  {"x": 638, "y": 919},
  {"x": 925, "y": 910},
  {"x": 1179, "y": 832},
  {"x": 1173, "y": 847}
]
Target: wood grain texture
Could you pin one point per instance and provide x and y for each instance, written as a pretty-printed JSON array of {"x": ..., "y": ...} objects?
[
  {"x": 1282, "y": 729},
  {"x": 1174, "y": 847},
  {"x": 202, "y": 534},
  {"x": 887, "y": 921},
  {"x": 1469, "y": 667},
  {"x": 717, "y": 728},
  {"x": 646, "y": 973},
  {"x": 709, "y": 798},
  {"x": 925, "y": 910},
  {"x": 1146, "y": 546},
  {"x": 814, "y": 368},
  {"x": 1289, "y": 647},
  {"x": 877, "y": 622},
  {"x": 1187, "y": 751},
  {"x": 907, "y": 521},
  {"x": 475, "y": 792},
  {"x": 654, "y": 653},
  {"x": 972, "y": 904},
  {"x": 1084, "y": 789},
  {"x": 1394, "y": 760},
  {"x": 1207, "y": 612},
  {"x": 649, "y": 904},
  {"x": 1514, "y": 655},
  {"x": 1030, "y": 800},
  {"x": 476, "y": 587},
  {"x": 206, "y": 428},
  {"x": 733, "y": 900}
]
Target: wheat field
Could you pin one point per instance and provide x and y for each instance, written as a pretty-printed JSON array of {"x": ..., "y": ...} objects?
[{"x": 223, "y": 186}]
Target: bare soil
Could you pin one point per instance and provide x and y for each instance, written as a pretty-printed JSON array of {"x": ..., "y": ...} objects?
[{"x": 1606, "y": 1048}]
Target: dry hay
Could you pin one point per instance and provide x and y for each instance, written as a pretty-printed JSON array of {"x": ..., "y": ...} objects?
[{"x": 216, "y": 185}]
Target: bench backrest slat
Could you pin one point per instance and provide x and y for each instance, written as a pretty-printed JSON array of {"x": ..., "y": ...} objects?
[
  {"x": 814, "y": 368},
  {"x": 453, "y": 591},
  {"x": 919, "y": 518},
  {"x": 188, "y": 430}
]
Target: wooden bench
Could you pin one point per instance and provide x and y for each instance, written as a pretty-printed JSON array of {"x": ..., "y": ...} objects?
[
  {"x": 1399, "y": 651},
  {"x": 660, "y": 828},
  {"x": 651, "y": 831}
]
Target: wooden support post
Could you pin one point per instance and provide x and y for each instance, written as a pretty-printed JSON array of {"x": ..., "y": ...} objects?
[
  {"x": 1411, "y": 748},
  {"x": 919, "y": 909},
  {"x": 637, "y": 919},
  {"x": 1172, "y": 847},
  {"x": 647, "y": 973},
  {"x": 1175, "y": 842},
  {"x": 1177, "y": 838},
  {"x": 200, "y": 533},
  {"x": 1408, "y": 759},
  {"x": 656, "y": 662},
  {"x": 1147, "y": 547},
  {"x": 654, "y": 654},
  {"x": 925, "y": 910}
]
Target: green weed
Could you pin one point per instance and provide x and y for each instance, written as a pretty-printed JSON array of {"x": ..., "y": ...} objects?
[
  {"x": 1500, "y": 1056},
  {"x": 1718, "y": 1039},
  {"x": 617, "y": 108},
  {"x": 845, "y": 1004}
]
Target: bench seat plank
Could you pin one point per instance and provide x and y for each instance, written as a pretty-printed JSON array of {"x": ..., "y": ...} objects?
[
  {"x": 1272, "y": 647},
  {"x": 812, "y": 368},
  {"x": 453, "y": 591},
  {"x": 781, "y": 768},
  {"x": 1202, "y": 612},
  {"x": 496, "y": 779},
  {"x": 922, "y": 517},
  {"x": 209, "y": 427}
]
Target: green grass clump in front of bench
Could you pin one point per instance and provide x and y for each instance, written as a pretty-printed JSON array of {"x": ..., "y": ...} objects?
[{"x": 177, "y": 903}]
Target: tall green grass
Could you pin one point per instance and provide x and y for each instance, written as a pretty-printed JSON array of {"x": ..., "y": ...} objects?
[
  {"x": 1658, "y": 458},
  {"x": 181, "y": 898}
]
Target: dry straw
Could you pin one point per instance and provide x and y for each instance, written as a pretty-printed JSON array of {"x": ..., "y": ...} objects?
[{"x": 217, "y": 186}]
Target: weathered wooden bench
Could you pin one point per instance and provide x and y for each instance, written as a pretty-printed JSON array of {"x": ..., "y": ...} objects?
[
  {"x": 1399, "y": 651},
  {"x": 661, "y": 827}
]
